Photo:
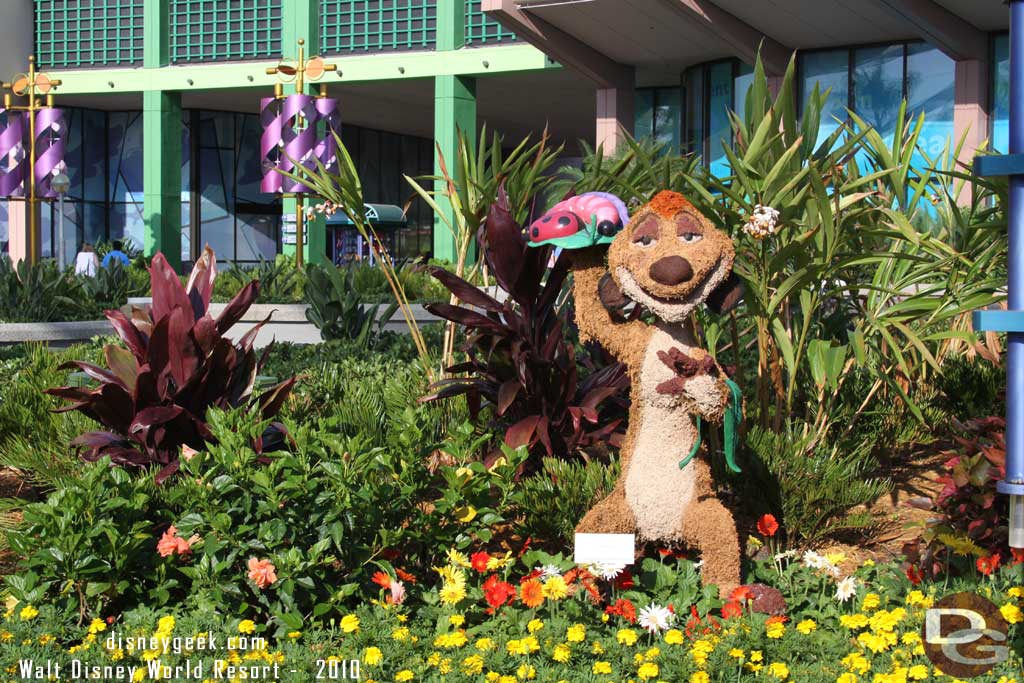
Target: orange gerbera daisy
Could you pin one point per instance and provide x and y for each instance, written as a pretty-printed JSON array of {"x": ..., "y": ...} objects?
[
  {"x": 767, "y": 525},
  {"x": 531, "y": 593}
]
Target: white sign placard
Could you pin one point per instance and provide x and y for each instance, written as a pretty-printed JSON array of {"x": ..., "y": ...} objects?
[{"x": 616, "y": 549}]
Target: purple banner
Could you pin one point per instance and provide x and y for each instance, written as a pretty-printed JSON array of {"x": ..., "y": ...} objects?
[
  {"x": 13, "y": 160},
  {"x": 50, "y": 137},
  {"x": 290, "y": 135}
]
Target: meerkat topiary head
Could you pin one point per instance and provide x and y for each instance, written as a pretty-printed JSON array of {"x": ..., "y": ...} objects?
[{"x": 670, "y": 259}]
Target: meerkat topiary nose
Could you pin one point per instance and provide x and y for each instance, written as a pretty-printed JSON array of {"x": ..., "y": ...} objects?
[{"x": 671, "y": 270}]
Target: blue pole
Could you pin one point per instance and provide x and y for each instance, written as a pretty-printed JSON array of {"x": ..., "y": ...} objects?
[{"x": 1013, "y": 483}]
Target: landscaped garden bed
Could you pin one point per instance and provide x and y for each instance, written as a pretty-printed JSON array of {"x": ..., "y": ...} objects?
[{"x": 402, "y": 507}]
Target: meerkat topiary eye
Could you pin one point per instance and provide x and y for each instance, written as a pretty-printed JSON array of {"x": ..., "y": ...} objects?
[
  {"x": 646, "y": 233},
  {"x": 688, "y": 228}
]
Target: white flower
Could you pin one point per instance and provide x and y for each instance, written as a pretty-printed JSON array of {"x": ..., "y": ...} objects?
[
  {"x": 846, "y": 589},
  {"x": 608, "y": 572},
  {"x": 785, "y": 555},
  {"x": 655, "y": 618},
  {"x": 548, "y": 571},
  {"x": 764, "y": 221},
  {"x": 833, "y": 570},
  {"x": 813, "y": 560}
]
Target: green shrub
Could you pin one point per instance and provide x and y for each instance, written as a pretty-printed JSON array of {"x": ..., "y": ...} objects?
[
  {"x": 972, "y": 388},
  {"x": 336, "y": 306},
  {"x": 555, "y": 499},
  {"x": 39, "y": 292},
  {"x": 280, "y": 281}
]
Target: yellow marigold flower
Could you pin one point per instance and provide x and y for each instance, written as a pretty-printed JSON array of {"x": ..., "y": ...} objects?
[
  {"x": 597, "y": 648},
  {"x": 246, "y": 626},
  {"x": 756, "y": 656},
  {"x": 806, "y": 627},
  {"x": 6, "y": 636},
  {"x": 293, "y": 635},
  {"x": 28, "y": 612},
  {"x": 674, "y": 637},
  {"x": 853, "y": 621},
  {"x": 403, "y": 675},
  {"x": 484, "y": 644},
  {"x": 117, "y": 655},
  {"x": 918, "y": 672},
  {"x": 507, "y": 679},
  {"x": 1011, "y": 613},
  {"x": 699, "y": 677},
  {"x": 652, "y": 653},
  {"x": 534, "y": 625},
  {"x": 871, "y": 601},
  {"x": 400, "y": 633},
  {"x": 525, "y": 672},
  {"x": 868, "y": 563},
  {"x": 648, "y": 670},
  {"x": 847, "y": 678},
  {"x": 402, "y": 618},
  {"x": 626, "y": 636},
  {"x": 562, "y": 653},
  {"x": 576, "y": 633},
  {"x": 555, "y": 588},
  {"x": 1016, "y": 592},
  {"x": 97, "y": 626},
  {"x": 776, "y": 629},
  {"x": 165, "y": 624},
  {"x": 465, "y": 513},
  {"x": 601, "y": 668},
  {"x": 372, "y": 656},
  {"x": 779, "y": 670},
  {"x": 737, "y": 653},
  {"x": 472, "y": 665},
  {"x": 350, "y": 623},
  {"x": 139, "y": 675},
  {"x": 456, "y": 620},
  {"x": 492, "y": 676}
]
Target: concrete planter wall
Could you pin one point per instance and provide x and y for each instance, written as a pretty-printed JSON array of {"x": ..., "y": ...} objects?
[{"x": 287, "y": 324}]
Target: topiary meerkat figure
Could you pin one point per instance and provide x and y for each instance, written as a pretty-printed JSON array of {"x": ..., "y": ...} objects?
[{"x": 668, "y": 259}]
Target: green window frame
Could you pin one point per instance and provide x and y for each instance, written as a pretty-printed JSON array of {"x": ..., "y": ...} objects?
[
  {"x": 377, "y": 25},
  {"x": 481, "y": 29},
  {"x": 226, "y": 30},
  {"x": 87, "y": 33}
]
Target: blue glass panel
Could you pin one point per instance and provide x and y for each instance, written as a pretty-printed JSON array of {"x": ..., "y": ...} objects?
[
  {"x": 257, "y": 237},
  {"x": 4, "y": 230},
  {"x": 126, "y": 224},
  {"x": 95, "y": 222},
  {"x": 667, "y": 118},
  {"x": 741, "y": 85},
  {"x": 124, "y": 146},
  {"x": 695, "y": 111},
  {"x": 930, "y": 89},
  {"x": 1001, "y": 94},
  {"x": 719, "y": 129},
  {"x": 186, "y": 231},
  {"x": 247, "y": 164},
  {"x": 878, "y": 87},
  {"x": 644, "y": 120},
  {"x": 827, "y": 70},
  {"x": 94, "y": 155},
  {"x": 219, "y": 233},
  {"x": 73, "y": 151}
]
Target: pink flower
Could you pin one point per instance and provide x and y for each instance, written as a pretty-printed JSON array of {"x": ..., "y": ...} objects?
[
  {"x": 397, "y": 596},
  {"x": 170, "y": 543},
  {"x": 262, "y": 572}
]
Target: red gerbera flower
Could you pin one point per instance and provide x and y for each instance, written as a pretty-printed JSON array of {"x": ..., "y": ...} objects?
[
  {"x": 915, "y": 575},
  {"x": 987, "y": 565},
  {"x": 767, "y": 526},
  {"x": 381, "y": 579},
  {"x": 664, "y": 552},
  {"x": 732, "y": 609},
  {"x": 405, "y": 576},
  {"x": 497, "y": 592},
  {"x": 479, "y": 561},
  {"x": 1018, "y": 556},
  {"x": 624, "y": 581},
  {"x": 532, "y": 575},
  {"x": 622, "y": 608}
]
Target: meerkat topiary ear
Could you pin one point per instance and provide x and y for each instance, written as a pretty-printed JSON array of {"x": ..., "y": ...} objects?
[{"x": 726, "y": 296}]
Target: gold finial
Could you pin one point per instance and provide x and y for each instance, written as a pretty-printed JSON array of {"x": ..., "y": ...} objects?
[{"x": 302, "y": 41}]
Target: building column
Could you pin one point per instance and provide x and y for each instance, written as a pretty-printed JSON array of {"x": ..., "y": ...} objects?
[
  {"x": 301, "y": 20},
  {"x": 454, "y": 111},
  {"x": 161, "y": 179},
  {"x": 970, "y": 114},
  {"x": 615, "y": 116}
]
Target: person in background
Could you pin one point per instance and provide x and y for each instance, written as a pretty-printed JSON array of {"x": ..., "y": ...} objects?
[
  {"x": 86, "y": 262},
  {"x": 115, "y": 254}
]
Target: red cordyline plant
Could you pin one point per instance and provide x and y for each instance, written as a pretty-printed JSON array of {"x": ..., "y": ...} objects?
[
  {"x": 153, "y": 395},
  {"x": 521, "y": 361}
]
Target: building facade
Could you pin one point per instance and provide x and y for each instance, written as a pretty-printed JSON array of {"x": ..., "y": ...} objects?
[{"x": 162, "y": 95}]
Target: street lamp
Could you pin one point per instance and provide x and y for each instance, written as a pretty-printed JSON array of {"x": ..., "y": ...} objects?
[{"x": 60, "y": 184}]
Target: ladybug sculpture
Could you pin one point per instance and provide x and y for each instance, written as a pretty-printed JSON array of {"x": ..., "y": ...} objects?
[{"x": 579, "y": 222}]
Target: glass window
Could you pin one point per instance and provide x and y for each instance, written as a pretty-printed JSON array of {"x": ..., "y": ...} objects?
[
  {"x": 741, "y": 85},
  {"x": 719, "y": 127},
  {"x": 695, "y": 111},
  {"x": 667, "y": 126},
  {"x": 878, "y": 86},
  {"x": 644, "y": 125},
  {"x": 930, "y": 89},
  {"x": 1001, "y": 94},
  {"x": 257, "y": 237},
  {"x": 829, "y": 71}
]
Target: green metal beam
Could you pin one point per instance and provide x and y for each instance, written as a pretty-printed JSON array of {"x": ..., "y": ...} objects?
[
  {"x": 479, "y": 61},
  {"x": 451, "y": 24},
  {"x": 156, "y": 33},
  {"x": 161, "y": 155},
  {"x": 300, "y": 19},
  {"x": 454, "y": 111}
]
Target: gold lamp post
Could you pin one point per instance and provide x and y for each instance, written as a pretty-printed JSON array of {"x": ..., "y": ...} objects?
[
  {"x": 302, "y": 70},
  {"x": 33, "y": 85}
]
